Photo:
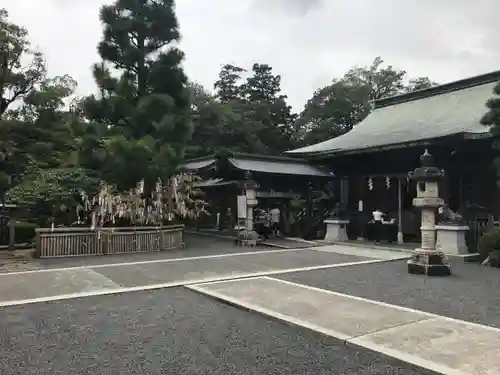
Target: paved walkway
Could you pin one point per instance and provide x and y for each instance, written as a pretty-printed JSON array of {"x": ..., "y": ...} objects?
[
  {"x": 79, "y": 281},
  {"x": 440, "y": 344}
]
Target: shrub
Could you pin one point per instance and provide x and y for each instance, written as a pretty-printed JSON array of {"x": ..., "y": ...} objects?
[{"x": 488, "y": 242}]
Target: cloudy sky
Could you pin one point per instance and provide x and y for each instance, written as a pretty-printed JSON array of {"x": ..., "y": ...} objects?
[{"x": 308, "y": 42}]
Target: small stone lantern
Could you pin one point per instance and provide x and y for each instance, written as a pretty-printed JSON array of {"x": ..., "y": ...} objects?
[
  {"x": 336, "y": 225},
  {"x": 427, "y": 260}
]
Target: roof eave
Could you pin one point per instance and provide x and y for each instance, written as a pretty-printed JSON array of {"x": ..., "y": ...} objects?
[{"x": 419, "y": 143}]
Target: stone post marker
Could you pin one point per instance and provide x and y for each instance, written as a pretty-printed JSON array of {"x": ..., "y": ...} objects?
[{"x": 427, "y": 260}]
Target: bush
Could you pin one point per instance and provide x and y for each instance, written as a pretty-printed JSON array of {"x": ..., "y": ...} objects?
[
  {"x": 25, "y": 232},
  {"x": 488, "y": 242}
]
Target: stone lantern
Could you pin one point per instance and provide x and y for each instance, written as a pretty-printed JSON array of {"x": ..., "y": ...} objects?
[
  {"x": 248, "y": 236},
  {"x": 427, "y": 260}
]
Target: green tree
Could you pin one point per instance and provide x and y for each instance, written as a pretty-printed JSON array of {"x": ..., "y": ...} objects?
[
  {"x": 492, "y": 119},
  {"x": 33, "y": 126},
  {"x": 52, "y": 193},
  {"x": 145, "y": 105},
  {"x": 332, "y": 111},
  {"x": 252, "y": 114},
  {"x": 335, "y": 109},
  {"x": 21, "y": 68},
  {"x": 420, "y": 83},
  {"x": 492, "y": 115},
  {"x": 222, "y": 126},
  {"x": 263, "y": 90},
  {"x": 228, "y": 86},
  {"x": 38, "y": 130}
]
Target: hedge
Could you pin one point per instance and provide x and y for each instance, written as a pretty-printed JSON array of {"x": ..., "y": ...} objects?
[{"x": 488, "y": 242}]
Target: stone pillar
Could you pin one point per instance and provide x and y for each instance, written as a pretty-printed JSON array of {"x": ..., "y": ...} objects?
[
  {"x": 427, "y": 260},
  {"x": 251, "y": 203}
]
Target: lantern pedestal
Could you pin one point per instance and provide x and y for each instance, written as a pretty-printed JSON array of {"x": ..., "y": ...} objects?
[
  {"x": 451, "y": 239},
  {"x": 336, "y": 230},
  {"x": 429, "y": 263}
]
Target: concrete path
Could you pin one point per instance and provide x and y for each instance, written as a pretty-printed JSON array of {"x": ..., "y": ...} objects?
[
  {"x": 444, "y": 345},
  {"x": 62, "y": 283},
  {"x": 375, "y": 253}
]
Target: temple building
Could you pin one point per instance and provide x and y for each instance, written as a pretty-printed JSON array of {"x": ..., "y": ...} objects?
[
  {"x": 280, "y": 182},
  {"x": 373, "y": 159}
]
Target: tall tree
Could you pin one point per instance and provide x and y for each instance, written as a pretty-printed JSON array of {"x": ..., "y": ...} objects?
[
  {"x": 228, "y": 86},
  {"x": 379, "y": 81},
  {"x": 262, "y": 90},
  {"x": 337, "y": 108},
  {"x": 145, "y": 105},
  {"x": 332, "y": 111},
  {"x": 222, "y": 126},
  {"x": 420, "y": 83},
  {"x": 492, "y": 119},
  {"x": 492, "y": 115},
  {"x": 34, "y": 131},
  {"x": 21, "y": 68}
]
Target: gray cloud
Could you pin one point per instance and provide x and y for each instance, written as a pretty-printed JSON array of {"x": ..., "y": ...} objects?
[
  {"x": 288, "y": 7},
  {"x": 308, "y": 42}
]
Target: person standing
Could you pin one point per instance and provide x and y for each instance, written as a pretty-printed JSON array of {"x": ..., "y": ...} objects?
[
  {"x": 275, "y": 221},
  {"x": 378, "y": 216}
]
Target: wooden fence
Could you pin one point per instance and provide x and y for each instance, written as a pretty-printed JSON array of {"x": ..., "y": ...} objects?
[{"x": 70, "y": 242}]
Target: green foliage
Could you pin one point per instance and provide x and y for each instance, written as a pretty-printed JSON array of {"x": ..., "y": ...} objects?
[
  {"x": 145, "y": 106},
  {"x": 33, "y": 126},
  {"x": 22, "y": 67},
  {"x": 337, "y": 108},
  {"x": 244, "y": 115},
  {"x": 52, "y": 192},
  {"x": 227, "y": 86},
  {"x": 492, "y": 116},
  {"x": 488, "y": 242}
]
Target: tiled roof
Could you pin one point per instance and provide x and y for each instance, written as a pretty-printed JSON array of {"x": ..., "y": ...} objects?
[{"x": 454, "y": 108}]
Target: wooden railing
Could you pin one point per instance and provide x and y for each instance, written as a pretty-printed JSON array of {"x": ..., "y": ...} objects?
[{"x": 70, "y": 242}]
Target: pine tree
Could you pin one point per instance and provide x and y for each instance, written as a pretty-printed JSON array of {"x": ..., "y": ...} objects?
[
  {"x": 492, "y": 116},
  {"x": 145, "y": 105}
]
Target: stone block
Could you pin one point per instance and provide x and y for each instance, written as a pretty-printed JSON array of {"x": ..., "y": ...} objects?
[
  {"x": 451, "y": 239},
  {"x": 336, "y": 230},
  {"x": 429, "y": 263}
]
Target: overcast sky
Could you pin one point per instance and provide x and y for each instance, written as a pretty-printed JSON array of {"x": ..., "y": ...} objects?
[{"x": 308, "y": 42}]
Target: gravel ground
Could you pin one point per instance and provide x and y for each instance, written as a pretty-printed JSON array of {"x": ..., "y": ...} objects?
[
  {"x": 472, "y": 293},
  {"x": 196, "y": 245},
  {"x": 173, "y": 331}
]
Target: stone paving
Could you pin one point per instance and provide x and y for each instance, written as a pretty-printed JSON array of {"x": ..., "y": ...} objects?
[
  {"x": 271, "y": 282},
  {"x": 171, "y": 331},
  {"x": 69, "y": 282},
  {"x": 441, "y": 344}
]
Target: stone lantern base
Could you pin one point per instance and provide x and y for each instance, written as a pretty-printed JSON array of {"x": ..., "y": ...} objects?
[
  {"x": 336, "y": 230},
  {"x": 429, "y": 263}
]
